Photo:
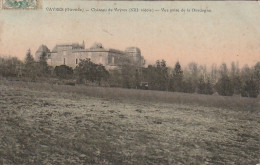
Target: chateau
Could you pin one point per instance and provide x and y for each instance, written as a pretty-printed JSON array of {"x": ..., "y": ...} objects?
[{"x": 70, "y": 55}]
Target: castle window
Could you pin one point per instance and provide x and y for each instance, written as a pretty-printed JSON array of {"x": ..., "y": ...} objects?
[
  {"x": 64, "y": 52},
  {"x": 64, "y": 61},
  {"x": 113, "y": 60},
  {"x": 76, "y": 61}
]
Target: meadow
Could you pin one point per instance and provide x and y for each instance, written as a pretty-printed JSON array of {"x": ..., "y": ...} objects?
[{"x": 42, "y": 123}]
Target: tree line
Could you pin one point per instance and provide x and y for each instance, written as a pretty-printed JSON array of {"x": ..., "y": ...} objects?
[
  {"x": 191, "y": 79},
  {"x": 200, "y": 79}
]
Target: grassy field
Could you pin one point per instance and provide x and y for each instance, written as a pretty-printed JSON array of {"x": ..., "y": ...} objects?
[{"x": 57, "y": 124}]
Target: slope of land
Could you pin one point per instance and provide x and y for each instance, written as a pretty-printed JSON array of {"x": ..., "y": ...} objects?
[{"x": 51, "y": 124}]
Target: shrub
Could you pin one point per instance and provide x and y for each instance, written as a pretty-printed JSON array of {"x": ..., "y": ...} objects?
[{"x": 63, "y": 72}]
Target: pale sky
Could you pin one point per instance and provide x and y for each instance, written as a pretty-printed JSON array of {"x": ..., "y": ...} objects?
[{"x": 231, "y": 32}]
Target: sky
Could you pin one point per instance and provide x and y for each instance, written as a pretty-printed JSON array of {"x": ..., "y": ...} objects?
[{"x": 230, "y": 32}]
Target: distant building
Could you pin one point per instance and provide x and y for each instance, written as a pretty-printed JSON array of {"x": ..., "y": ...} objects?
[
  {"x": 42, "y": 49},
  {"x": 70, "y": 55},
  {"x": 135, "y": 55}
]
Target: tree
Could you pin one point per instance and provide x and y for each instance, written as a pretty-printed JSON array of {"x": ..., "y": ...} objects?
[
  {"x": 157, "y": 75},
  {"x": 223, "y": 70},
  {"x": 177, "y": 78},
  {"x": 194, "y": 75},
  {"x": 89, "y": 71},
  {"x": 234, "y": 70},
  {"x": 162, "y": 70},
  {"x": 101, "y": 73},
  {"x": 29, "y": 65},
  {"x": 237, "y": 84},
  {"x": 115, "y": 78},
  {"x": 152, "y": 76},
  {"x": 257, "y": 72},
  {"x": 246, "y": 73},
  {"x": 224, "y": 86},
  {"x": 85, "y": 70},
  {"x": 29, "y": 60},
  {"x": 11, "y": 67},
  {"x": 208, "y": 88},
  {"x": 42, "y": 68},
  {"x": 128, "y": 76},
  {"x": 63, "y": 72},
  {"x": 201, "y": 86},
  {"x": 250, "y": 88},
  {"x": 235, "y": 78},
  {"x": 188, "y": 86},
  {"x": 203, "y": 71},
  {"x": 250, "y": 82},
  {"x": 214, "y": 73}
]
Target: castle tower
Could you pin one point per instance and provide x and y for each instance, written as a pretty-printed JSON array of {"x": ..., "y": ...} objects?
[
  {"x": 42, "y": 49},
  {"x": 134, "y": 54}
]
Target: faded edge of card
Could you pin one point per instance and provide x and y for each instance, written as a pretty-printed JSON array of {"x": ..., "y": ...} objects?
[{"x": 4, "y": 6}]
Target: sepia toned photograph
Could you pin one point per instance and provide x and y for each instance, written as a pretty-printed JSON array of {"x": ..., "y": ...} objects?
[{"x": 145, "y": 83}]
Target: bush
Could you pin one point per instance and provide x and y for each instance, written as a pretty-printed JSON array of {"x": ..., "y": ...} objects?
[{"x": 63, "y": 72}]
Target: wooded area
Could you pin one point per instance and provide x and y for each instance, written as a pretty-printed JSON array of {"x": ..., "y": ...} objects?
[{"x": 194, "y": 78}]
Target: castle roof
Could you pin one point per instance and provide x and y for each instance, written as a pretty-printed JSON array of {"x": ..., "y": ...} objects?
[
  {"x": 133, "y": 50},
  {"x": 90, "y": 50},
  {"x": 73, "y": 45},
  {"x": 43, "y": 48},
  {"x": 116, "y": 51},
  {"x": 55, "y": 49}
]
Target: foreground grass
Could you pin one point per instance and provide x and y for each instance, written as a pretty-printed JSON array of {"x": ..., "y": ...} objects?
[{"x": 51, "y": 124}]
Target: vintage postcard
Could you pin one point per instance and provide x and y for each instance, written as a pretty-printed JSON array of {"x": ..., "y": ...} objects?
[{"x": 129, "y": 82}]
